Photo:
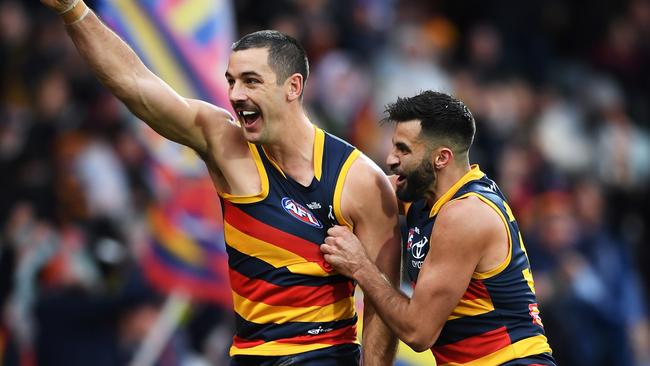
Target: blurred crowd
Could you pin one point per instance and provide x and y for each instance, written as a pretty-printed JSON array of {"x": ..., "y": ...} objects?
[{"x": 561, "y": 95}]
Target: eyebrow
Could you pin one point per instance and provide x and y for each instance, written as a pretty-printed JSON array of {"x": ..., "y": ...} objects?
[
  {"x": 245, "y": 74},
  {"x": 402, "y": 147}
]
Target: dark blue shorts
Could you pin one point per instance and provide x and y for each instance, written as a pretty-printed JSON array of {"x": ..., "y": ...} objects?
[{"x": 341, "y": 355}]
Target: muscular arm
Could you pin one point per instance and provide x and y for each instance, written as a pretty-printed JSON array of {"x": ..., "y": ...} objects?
[
  {"x": 463, "y": 231},
  {"x": 370, "y": 203},
  {"x": 147, "y": 96}
]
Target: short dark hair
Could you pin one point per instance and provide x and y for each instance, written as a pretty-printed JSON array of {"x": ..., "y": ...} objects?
[
  {"x": 286, "y": 55},
  {"x": 441, "y": 116}
]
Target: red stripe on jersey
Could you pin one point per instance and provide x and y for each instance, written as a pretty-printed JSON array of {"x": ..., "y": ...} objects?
[
  {"x": 297, "y": 296},
  {"x": 472, "y": 348},
  {"x": 476, "y": 290},
  {"x": 246, "y": 343},
  {"x": 255, "y": 228}
]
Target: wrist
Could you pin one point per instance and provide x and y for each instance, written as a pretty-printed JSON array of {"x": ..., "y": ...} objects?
[
  {"x": 75, "y": 13},
  {"x": 362, "y": 273}
]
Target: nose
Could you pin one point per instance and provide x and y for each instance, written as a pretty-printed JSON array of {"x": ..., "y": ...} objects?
[
  {"x": 392, "y": 160},
  {"x": 237, "y": 93}
]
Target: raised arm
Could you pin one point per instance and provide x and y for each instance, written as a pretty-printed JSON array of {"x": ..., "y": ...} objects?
[
  {"x": 370, "y": 203},
  {"x": 123, "y": 73}
]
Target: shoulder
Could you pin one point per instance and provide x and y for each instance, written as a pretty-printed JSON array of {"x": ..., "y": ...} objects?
[
  {"x": 365, "y": 177},
  {"x": 210, "y": 116},
  {"x": 367, "y": 190},
  {"x": 217, "y": 125},
  {"x": 469, "y": 219}
]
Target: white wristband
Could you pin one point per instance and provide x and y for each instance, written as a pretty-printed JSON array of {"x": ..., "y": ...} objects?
[{"x": 85, "y": 14}]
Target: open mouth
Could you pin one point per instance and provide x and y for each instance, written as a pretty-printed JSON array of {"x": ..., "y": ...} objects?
[
  {"x": 400, "y": 179},
  {"x": 248, "y": 117}
]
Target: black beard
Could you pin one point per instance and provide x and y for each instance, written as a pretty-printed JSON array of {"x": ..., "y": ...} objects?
[{"x": 417, "y": 182}]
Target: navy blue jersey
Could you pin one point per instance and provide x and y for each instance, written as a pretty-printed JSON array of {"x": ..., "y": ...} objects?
[
  {"x": 497, "y": 319},
  {"x": 286, "y": 298}
]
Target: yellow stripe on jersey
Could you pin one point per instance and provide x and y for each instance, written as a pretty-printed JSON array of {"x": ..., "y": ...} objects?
[
  {"x": 524, "y": 348},
  {"x": 309, "y": 269},
  {"x": 473, "y": 174},
  {"x": 269, "y": 253},
  {"x": 276, "y": 349},
  {"x": 471, "y": 308},
  {"x": 338, "y": 191},
  {"x": 407, "y": 206},
  {"x": 264, "y": 181},
  {"x": 319, "y": 146},
  {"x": 262, "y": 313}
]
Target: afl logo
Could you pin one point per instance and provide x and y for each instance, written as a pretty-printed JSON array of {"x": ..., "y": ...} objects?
[{"x": 296, "y": 210}]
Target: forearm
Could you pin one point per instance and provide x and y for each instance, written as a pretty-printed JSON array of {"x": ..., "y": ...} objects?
[
  {"x": 111, "y": 59},
  {"x": 393, "y": 307},
  {"x": 118, "y": 67},
  {"x": 379, "y": 343}
]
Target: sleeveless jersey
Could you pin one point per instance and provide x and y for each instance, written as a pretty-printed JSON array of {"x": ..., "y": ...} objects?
[
  {"x": 286, "y": 298},
  {"x": 497, "y": 319}
]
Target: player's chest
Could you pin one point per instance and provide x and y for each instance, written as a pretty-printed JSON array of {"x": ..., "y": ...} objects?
[{"x": 417, "y": 246}]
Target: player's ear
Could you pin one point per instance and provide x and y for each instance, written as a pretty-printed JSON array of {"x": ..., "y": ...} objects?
[
  {"x": 441, "y": 157},
  {"x": 294, "y": 86}
]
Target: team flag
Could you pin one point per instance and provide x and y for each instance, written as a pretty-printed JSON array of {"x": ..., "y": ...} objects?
[{"x": 186, "y": 43}]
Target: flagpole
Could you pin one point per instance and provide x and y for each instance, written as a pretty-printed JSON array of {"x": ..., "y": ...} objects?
[{"x": 162, "y": 330}]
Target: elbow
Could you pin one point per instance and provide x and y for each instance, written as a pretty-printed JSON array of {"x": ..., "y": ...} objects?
[
  {"x": 421, "y": 340},
  {"x": 418, "y": 345}
]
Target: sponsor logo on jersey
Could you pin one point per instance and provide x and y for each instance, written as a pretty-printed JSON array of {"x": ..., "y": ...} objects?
[
  {"x": 314, "y": 205},
  {"x": 417, "y": 248},
  {"x": 319, "y": 330},
  {"x": 298, "y": 211}
]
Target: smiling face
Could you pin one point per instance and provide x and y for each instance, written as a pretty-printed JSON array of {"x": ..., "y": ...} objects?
[
  {"x": 255, "y": 95},
  {"x": 410, "y": 160}
]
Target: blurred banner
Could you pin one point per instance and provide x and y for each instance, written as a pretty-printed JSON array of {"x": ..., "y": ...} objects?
[{"x": 186, "y": 43}]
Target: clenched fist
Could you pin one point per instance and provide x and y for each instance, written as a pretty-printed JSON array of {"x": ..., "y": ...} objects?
[{"x": 343, "y": 250}]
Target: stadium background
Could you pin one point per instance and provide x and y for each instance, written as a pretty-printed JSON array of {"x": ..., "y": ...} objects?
[{"x": 103, "y": 227}]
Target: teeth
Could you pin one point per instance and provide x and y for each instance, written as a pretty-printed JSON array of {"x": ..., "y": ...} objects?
[{"x": 247, "y": 113}]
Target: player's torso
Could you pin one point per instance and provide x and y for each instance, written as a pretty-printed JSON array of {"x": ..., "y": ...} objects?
[
  {"x": 497, "y": 319},
  {"x": 285, "y": 298}
]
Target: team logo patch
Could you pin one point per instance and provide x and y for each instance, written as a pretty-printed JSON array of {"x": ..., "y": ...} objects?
[
  {"x": 296, "y": 210},
  {"x": 417, "y": 249},
  {"x": 534, "y": 313}
]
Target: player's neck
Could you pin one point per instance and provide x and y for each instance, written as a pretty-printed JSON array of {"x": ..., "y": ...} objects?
[
  {"x": 445, "y": 180},
  {"x": 293, "y": 149}
]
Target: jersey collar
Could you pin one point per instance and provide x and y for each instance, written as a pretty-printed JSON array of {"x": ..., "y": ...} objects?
[{"x": 473, "y": 174}]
